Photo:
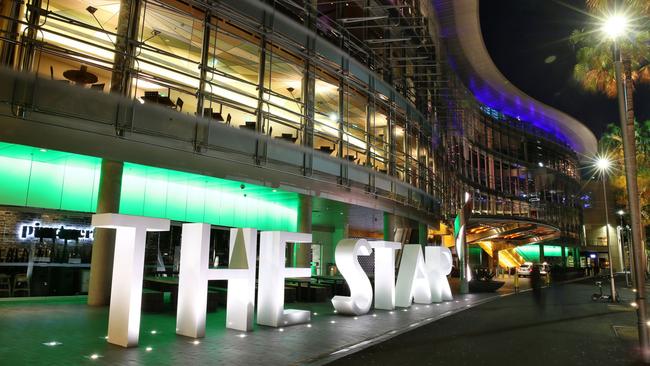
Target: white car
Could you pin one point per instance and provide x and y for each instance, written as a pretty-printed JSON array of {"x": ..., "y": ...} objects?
[{"x": 525, "y": 269}]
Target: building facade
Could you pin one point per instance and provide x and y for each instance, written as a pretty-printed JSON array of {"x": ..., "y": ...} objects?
[{"x": 360, "y": 118}]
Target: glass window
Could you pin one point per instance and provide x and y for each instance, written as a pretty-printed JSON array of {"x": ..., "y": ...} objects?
[
  {"x": 355, "y": 103},
  {"x": 379, "y": 136},
  {"x": 167, "y": 62},
  {"x": 399, "y": 134},
  {"x": 326, "y": 111},
  {"x": 72, "y": 39},
  {"x": 283, "y": 79}
]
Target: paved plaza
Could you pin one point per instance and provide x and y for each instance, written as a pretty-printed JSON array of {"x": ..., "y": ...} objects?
[{"x": 65, "y": 331}]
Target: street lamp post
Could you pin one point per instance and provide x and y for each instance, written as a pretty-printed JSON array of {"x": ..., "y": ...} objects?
[
  {"x": 614, "y": 27},
  {"x": 603, "y": 164},
  {"x": 621, "y": 234}
]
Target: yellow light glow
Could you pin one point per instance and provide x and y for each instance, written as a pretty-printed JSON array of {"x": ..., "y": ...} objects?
[
  {"x": 615, "y": 25},
  {"x": 78, "y": 46},
  {"x": 603, "y": 163}
]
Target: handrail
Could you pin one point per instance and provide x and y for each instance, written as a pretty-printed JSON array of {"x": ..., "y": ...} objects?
[{"x": 35, "y": 99}]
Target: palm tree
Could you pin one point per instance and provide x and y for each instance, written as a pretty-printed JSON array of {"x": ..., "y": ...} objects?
[
  {"x": 595, "y": 72},
  {"x": 612, "y": 142},
  {"x": 641, "y": 6},
  {"x": 595, "y": 60}
]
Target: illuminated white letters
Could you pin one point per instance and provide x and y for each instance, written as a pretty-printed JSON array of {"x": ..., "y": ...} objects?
[
  {"x": 193, "y": 280},
  {"x": 385, "y": 273},
  {"x": 270, "y": 297},
  {"x": 438, "y": 263},
  {"x": 418, "y": 280},
  {"x": 412, "y": 280},
  {"x": 241, "y": 287},
  {"x": 194, "y": 275},
  {"x": 128, "y": 266},
  {"x": 360, "y": 297}
]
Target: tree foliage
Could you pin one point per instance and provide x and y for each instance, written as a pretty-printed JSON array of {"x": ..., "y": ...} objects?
[
  {"x": 594, "y": 68},
  {"x": 612, "y": 142}
]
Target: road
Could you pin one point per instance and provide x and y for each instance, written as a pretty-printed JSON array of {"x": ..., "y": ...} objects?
[{"x": 567, "y": 328}]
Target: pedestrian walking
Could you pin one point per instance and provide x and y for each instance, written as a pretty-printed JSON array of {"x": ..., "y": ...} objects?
[{"x": 536, "y": 283}]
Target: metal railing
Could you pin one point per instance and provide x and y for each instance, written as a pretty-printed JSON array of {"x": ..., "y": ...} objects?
[{"x": 25, "y": 98}]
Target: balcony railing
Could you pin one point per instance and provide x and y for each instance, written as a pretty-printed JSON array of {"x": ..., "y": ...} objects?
[{"x": 76, "y": 112}]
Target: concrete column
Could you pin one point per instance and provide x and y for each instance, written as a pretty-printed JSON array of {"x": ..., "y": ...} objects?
[
  {"x": 11, "y": 10},
  {"x": 33, "y": 13},
  {"x": 541, "y": 253},
  {"x": 110, "y": 183},
  {"x": 127, "y": 30},
  {"x": 422, "y": 233},
  {"x": 563, "y": 253},
  {"x": 101, "y": 265},
  {"x": 302, "y": 253},
  {"x": 259, "y": 118},
  {"x": 203, "y": 67},
  {"x": 390, "y": 225},
  {"x": 495, "y": 260},
  {"x": 309, "y": 76},
  {"x": 486, "y": 260}
]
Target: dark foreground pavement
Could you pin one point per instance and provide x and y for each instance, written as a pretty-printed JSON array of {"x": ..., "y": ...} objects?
[{"x": 567, "y": 329}]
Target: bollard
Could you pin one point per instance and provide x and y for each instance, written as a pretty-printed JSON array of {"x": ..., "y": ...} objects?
[{"x": 516, "y": 283}]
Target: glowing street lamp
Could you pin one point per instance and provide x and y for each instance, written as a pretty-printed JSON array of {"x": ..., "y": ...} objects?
[
  {"x": 614, "y": 27},
  {"x": 620, "y": 231},
  {"x": 603, "y": 165}
]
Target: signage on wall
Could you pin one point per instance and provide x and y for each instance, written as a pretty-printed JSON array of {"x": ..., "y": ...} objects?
[
  {"x": 64, "y": 232},
  {"x": 422, "y": 277}
]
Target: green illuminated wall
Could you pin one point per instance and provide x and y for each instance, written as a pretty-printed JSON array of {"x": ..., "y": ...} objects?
[
  {"x": 33, "y": 177},
  {"x": 149, "y": 191},
  {"x": 531, "y": 252}
]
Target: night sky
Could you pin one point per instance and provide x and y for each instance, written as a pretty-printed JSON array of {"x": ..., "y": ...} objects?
[{"x": 528, "y": 41}]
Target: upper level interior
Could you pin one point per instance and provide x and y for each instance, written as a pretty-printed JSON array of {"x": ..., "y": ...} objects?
[{"x": 366, "y": 82}]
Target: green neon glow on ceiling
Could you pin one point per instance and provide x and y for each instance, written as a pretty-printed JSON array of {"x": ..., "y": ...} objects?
[{"x": 33, "y": 177}]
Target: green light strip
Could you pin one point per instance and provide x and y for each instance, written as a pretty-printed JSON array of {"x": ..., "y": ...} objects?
[
  {"x": 34, "y": 177},
  {"x": 531, "y": 252}
]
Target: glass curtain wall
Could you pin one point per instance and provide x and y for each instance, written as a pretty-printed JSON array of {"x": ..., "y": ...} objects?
[{"x": 244, "y": 79}]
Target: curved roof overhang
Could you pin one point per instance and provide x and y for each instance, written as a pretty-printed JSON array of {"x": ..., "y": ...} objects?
[
  {"x": 460, "y": 28},
  {"x": 513, "y": 230}
]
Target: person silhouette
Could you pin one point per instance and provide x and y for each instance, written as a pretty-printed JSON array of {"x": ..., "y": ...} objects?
[{"x": 536, "y": 284}]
